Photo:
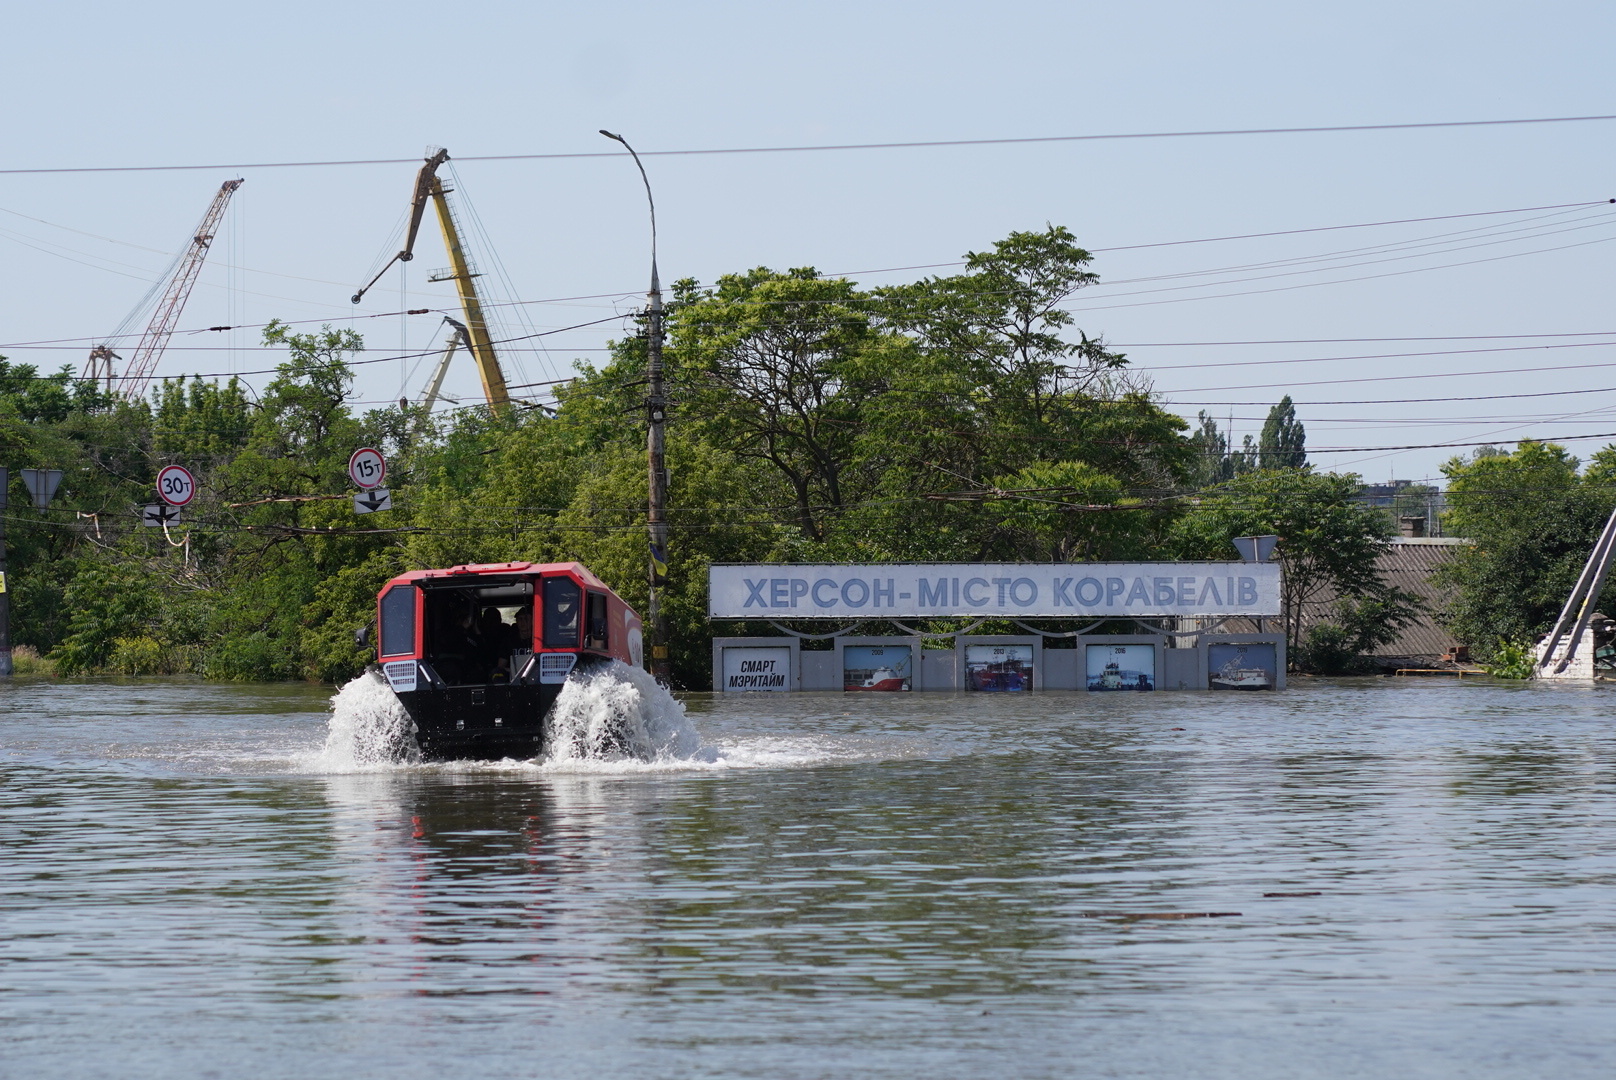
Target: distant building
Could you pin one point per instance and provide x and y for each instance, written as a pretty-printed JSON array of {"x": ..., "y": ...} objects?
[{"x": 1416, "y": 508}]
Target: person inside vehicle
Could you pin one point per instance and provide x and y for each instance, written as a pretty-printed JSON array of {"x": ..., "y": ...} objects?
[
  {"x": 494, "y": 640},
  {"x": 524, "y": 630}
]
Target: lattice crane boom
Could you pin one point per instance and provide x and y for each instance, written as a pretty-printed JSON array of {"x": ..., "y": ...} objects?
[{"x": 152, "y": 343}]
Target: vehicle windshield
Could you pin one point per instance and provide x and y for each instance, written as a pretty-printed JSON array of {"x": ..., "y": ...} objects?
[{"x": 476, "y": 634}]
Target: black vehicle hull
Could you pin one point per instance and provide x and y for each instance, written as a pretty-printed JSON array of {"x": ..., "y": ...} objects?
[{"x": 481, "y": 723}]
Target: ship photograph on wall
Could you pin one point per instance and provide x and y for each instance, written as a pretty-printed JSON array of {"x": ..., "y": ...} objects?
[
  {"x": 1121, "y": 667},
  {"x": 998, "y": 668},
  {"x": 1241, "y": 666},
  {"x": 877, "y": 667}
]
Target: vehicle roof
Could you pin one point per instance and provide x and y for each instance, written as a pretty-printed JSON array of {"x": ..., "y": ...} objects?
[{"x": 472, "y": 571}]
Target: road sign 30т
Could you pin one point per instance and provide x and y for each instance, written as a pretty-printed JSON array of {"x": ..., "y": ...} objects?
[{"x": 176, "y": 486}]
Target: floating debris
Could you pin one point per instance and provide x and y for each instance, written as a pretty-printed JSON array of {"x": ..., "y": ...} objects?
[
  {"x": 1279, "y": 895},
  {"x": 1158, "y": 914}
]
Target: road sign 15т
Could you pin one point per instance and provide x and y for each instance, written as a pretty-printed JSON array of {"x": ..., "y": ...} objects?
[{"x": 367, "y": 468}]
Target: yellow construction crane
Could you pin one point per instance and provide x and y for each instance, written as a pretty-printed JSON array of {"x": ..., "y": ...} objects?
[{"x": 460, "y": 271}]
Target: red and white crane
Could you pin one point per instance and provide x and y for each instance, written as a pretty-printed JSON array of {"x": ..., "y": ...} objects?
[{"x": 180, "y": 282}]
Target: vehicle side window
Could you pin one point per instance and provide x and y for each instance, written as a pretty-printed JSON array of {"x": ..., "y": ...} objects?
[
  {"x": 398, "y": 621},
  {"x": 596, "y": 632},
  {"x": 562, "y": 599}
]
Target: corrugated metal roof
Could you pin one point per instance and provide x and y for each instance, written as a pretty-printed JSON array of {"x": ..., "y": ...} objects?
[{"x": 1410, "y": 567}]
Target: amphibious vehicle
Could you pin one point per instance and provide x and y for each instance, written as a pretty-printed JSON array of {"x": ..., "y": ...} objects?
[{"x": 478, "y": 654}]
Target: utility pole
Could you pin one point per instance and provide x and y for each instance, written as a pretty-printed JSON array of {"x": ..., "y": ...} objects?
[
  {"x": 41, "y": 484},
  {"x": 656, "y": 407},
  {"x": 5, "y": 597},
  {"x": 1574, "y": 660}
]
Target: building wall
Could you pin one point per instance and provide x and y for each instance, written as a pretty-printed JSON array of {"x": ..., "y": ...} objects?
[{"x": 1188, "y": 666}]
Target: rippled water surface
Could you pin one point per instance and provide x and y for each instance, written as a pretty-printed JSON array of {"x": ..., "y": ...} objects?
[{"x": 872, "y": 885}]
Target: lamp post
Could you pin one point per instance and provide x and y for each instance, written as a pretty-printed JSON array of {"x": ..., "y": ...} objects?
[{"x": 656, "y": 413}]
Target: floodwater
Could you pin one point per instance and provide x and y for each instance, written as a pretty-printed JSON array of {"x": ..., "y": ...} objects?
[{"x": 193, "y": 883}]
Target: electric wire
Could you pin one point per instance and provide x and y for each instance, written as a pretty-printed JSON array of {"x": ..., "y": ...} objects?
[
  {"x": 1608, "y": 220},
  {"x": 1459, "y": 240},
  {"x": 397, "y": 231},
  {"x": 830, "y": 147}
]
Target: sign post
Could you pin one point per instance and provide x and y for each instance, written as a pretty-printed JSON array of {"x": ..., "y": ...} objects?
[
  {"x": 367, "y": 469},
  {"x": 156, "y": 515},
  {"x": 994, "y": 590},
  {"x": 5, "y": 600},
  {"x": 1256, "y": 548},
  {"x": 175, "y": 485},
  {"x": 42, "y": 485},
  {"x": 368, "y": 502}
]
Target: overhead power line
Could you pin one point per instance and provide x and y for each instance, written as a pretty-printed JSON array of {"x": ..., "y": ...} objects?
[
  {"x": 1317, "y": 129},
  {"x": 1402, "y": 401},
  {"x": 873, "y": 299}
]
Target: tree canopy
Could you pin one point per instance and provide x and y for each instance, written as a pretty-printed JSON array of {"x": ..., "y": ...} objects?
[
  {"x": 959, "y": 417},
  {"x": 1330, "y": 543},
  {"x": 1532, "y": 517}
]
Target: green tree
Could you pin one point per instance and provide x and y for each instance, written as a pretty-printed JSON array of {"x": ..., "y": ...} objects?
[
  {"x": 1283, "y": 444},
  {"x": 1329, "y": 547},
  {"x": 1215, "y": 461},
  {"x": 769, "y": 366},
  {"x": 201, "y": 419},
  {"x": 281, "y": 504},
  {"x": 1532, "y": 519},
  {"x": 1001, "y": 369}
]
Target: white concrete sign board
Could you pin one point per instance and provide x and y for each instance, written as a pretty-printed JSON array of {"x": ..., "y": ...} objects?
[
  {"x": 176, "y": 486},
  {"x": 1015, "y": 590},
  {"x": 748, "y": 668},
  {"x": 367, "y": 468}
]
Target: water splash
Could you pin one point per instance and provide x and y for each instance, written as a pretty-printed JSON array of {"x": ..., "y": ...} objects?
[
  {"x": 369, "y": 728},
  {"x": 612, "y": 717},
  {"x": 619, "y": 713}
]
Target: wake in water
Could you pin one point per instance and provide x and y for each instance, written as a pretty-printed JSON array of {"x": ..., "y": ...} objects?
[
  {"x": 368, "y": 728},
  {"x": 619, "y": 713},
  {"x": 609, "y": 715}
]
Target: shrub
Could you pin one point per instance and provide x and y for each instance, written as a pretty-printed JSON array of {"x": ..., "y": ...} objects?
[
  {"x": 1512, "y": 660},
  {"x": 25, "y": 660},
  {"x": 140, "y": 655},
  {"x": 1330, "y": 649}
]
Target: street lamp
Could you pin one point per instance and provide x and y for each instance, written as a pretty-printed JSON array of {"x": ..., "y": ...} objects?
[{"x": 656, "y": 406}]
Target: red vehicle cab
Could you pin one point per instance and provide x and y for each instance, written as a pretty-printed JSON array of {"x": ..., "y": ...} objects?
[{"x": 478, "y": 654}]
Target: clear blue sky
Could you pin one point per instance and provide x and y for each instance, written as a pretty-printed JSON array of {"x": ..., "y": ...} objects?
[{"x": 180, "y": 83}]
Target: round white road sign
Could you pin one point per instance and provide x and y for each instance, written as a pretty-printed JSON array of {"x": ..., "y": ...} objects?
[
  {"x": 367, "y": 468},
  {"x": 175, "y": 485}
]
